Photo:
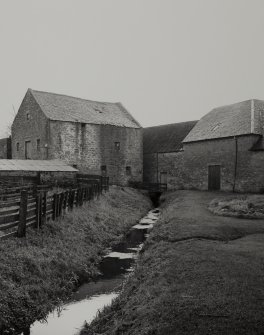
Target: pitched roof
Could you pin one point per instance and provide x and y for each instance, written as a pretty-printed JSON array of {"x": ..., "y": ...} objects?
[
  {"x": 237, "y": 119},
  {"x": 65, "y": 108},
  {"x": 166, "y": 138},
  {"x": 35, "y": 165}
]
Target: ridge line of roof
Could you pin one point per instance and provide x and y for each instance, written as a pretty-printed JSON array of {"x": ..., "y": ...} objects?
[
  {"x": 70, "y": 96},
  {"x": 233, "y": 104},
  {"x": 171, "y": 124}
]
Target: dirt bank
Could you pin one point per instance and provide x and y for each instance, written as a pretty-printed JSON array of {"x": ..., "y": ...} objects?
[
  {"x": 41, "y": 270},
  {"x": 199, "y": 274}
]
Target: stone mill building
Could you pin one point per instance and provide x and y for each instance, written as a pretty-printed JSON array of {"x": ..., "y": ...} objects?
[{"x": 94, "y": 137}]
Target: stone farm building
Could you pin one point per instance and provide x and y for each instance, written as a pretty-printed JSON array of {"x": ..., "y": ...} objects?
[
  {"x": 163, "y": 153},
  {"x": 95, "y": 137},
  {"x": 225, "y": 149}
]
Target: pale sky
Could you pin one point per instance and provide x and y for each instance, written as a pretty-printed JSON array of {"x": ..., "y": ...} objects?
[{"x": 166, "y": 60}]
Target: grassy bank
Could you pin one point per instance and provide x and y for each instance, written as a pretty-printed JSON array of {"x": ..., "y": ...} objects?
[
  {"x": 41, "y": 270},
  {"x": 198, "y": 274}
]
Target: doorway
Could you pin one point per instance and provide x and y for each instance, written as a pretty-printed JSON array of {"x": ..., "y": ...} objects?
[
  {"x": 214, "y": 177},
  {"x": 28, "y": 149}
]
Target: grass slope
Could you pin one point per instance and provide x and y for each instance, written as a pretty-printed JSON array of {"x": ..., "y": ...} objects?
[
  {"x": 198, "y": 274},
  {"x": 41, "y": 270}
]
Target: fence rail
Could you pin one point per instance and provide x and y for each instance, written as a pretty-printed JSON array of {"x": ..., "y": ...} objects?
[{"x": 24, "y": 207}]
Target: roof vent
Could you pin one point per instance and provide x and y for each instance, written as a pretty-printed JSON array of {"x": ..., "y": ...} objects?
[
  {"x": 215, "y": 127},
  {"x": 98, "y": 109}
]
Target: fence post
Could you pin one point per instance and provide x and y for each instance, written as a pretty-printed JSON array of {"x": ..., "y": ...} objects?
[
  {"x": 66, "y": 201},
  {"x": 54, "y": 205},
  {"x": 82, "y": 196},
  {"x": 57, "y": 205},
  {"x": 62, "y": 196},
  {"x": 44, "y": 210},
  {"x": 71, "y": 200},
  {"x": 37, "y": 210},
  {"x": 40, "y": 209},
  {"x": 21, "y": 230}
]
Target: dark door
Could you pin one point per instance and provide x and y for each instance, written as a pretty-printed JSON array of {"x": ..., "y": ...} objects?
[
  {"x": 28, "y": 149},
  {"x": 214, "y": 177}
]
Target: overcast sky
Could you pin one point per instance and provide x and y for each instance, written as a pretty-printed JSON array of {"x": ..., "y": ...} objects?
[{"x": 166, "y": 60}]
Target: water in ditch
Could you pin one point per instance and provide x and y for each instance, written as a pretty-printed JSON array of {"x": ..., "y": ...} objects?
[{"x": 92, "y": 297}]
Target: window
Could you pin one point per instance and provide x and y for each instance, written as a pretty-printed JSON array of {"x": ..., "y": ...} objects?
[
  {"x": 17, "y": 146},
  {"x": 163, "y": 177},
  {"x": 28, "y": 116},
  {"x": 117, "y": 146},
  {"x": 128, "y": 170},
  {"x": 38, "y": 144},
  {"x": 103, "y": 170}
]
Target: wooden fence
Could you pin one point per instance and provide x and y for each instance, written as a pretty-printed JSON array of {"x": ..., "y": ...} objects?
[{"x": 26, "y": 207}]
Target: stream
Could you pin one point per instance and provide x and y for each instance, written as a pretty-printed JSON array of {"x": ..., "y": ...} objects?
[{"x": 91, "y": 297}]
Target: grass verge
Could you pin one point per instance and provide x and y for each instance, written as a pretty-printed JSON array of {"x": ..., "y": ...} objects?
[
  {"x": 40, "y": 271},
  {"x": 198, "y": 274}
]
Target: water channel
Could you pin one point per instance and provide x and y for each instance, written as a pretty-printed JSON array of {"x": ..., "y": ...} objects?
[{"x": 91, "y": 297}]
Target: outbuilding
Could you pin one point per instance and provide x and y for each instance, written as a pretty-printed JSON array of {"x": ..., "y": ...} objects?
[
  {"x": 224, "y": 150},
  {"x": 21, "y": 172},
  {"x": 95, "y": 137}
]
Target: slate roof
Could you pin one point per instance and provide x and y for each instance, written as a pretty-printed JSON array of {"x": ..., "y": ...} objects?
[
  {"x": 65, "y": 108},
  {"x": 166, "y": 138},
  {"x": 35, "y": 165},
  {"x": 226, "y": 121}
]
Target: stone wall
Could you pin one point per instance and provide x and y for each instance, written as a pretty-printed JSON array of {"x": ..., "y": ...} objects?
[
  {"x": 5, "y": 148},
  {"x": 150, "y": 168},
  {"x": 250, "y": 175},
  {"x": 122, "y": 153},
  {"x": 30, "y": 124},
  {"x": 90, "y": 147},
  {"x": 188, "y": 169},
  {"x": 170, "y": 163}
]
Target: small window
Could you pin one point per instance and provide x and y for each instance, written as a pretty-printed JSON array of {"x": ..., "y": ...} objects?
[
  {"x": 17, "y": 146},
  {"x": 28, "y": 116},
  {"x": 75, "y": 166},
  {"x": 38, "y": 144},
  {"x": 103, "y": 170},
  {"x": 128, "y": 170},
  {"x": 117, "y": 146}
]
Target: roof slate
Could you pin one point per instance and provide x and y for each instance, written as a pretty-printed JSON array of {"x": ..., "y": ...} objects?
[
  {"x": 65, "y": 108},
  {"x": 35, "y": 165},
  {"x": 226, "y": 121},
  {"x": 166, "y": 138}
]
